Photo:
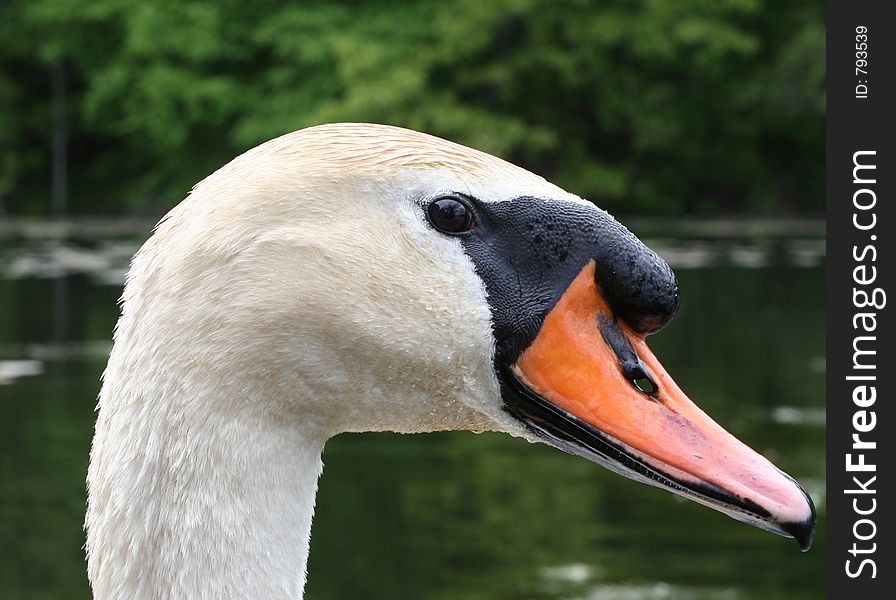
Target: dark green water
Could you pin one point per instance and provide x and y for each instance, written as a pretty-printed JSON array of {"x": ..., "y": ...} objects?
[{"x": 455, "y": 515}]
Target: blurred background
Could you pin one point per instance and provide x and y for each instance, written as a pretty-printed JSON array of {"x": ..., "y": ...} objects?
[{"x": 698, "y": 123}]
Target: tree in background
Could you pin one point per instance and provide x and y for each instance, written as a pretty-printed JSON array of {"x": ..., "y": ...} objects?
[{"x": 655, "y": 106}]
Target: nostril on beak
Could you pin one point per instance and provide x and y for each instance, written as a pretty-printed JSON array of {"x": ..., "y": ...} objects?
[
  {"x": 633, "y": 368},
  {"x": 641, "y": 379}
]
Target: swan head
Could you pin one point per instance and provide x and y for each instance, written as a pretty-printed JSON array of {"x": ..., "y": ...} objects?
[{"x": 362, "y": 277}]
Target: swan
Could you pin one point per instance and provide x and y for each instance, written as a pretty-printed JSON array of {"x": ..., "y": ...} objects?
[{"x": 358, "y": 277}]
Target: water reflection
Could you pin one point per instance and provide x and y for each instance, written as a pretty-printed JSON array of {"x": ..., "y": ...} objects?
[
  {"x": 452, "y": 515},
  {"x": 13, "y": 369}
]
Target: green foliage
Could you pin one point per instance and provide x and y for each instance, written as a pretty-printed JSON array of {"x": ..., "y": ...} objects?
[{"x": 693, "y": 106}]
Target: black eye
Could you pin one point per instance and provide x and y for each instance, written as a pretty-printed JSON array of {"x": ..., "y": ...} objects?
[{"x": 450, "y": 215}]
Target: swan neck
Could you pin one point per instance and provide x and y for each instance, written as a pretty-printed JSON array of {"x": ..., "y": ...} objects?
[{"x": 190, "y": 501}]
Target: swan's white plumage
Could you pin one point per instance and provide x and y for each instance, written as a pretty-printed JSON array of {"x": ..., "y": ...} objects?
[{"x": 296, "y": 293}]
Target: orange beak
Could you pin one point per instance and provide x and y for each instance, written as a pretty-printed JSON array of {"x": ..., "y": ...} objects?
[{"x": 595, "y": 388}]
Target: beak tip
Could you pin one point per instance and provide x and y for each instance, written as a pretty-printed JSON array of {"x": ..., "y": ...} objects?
[{"x": 803, "y": 531}]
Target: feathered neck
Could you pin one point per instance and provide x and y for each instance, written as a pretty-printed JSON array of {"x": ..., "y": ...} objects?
[{"x": 187, "y": 500}]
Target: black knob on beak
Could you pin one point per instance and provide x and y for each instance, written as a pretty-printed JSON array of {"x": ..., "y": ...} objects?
[{"x": 639, "y": 286}]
